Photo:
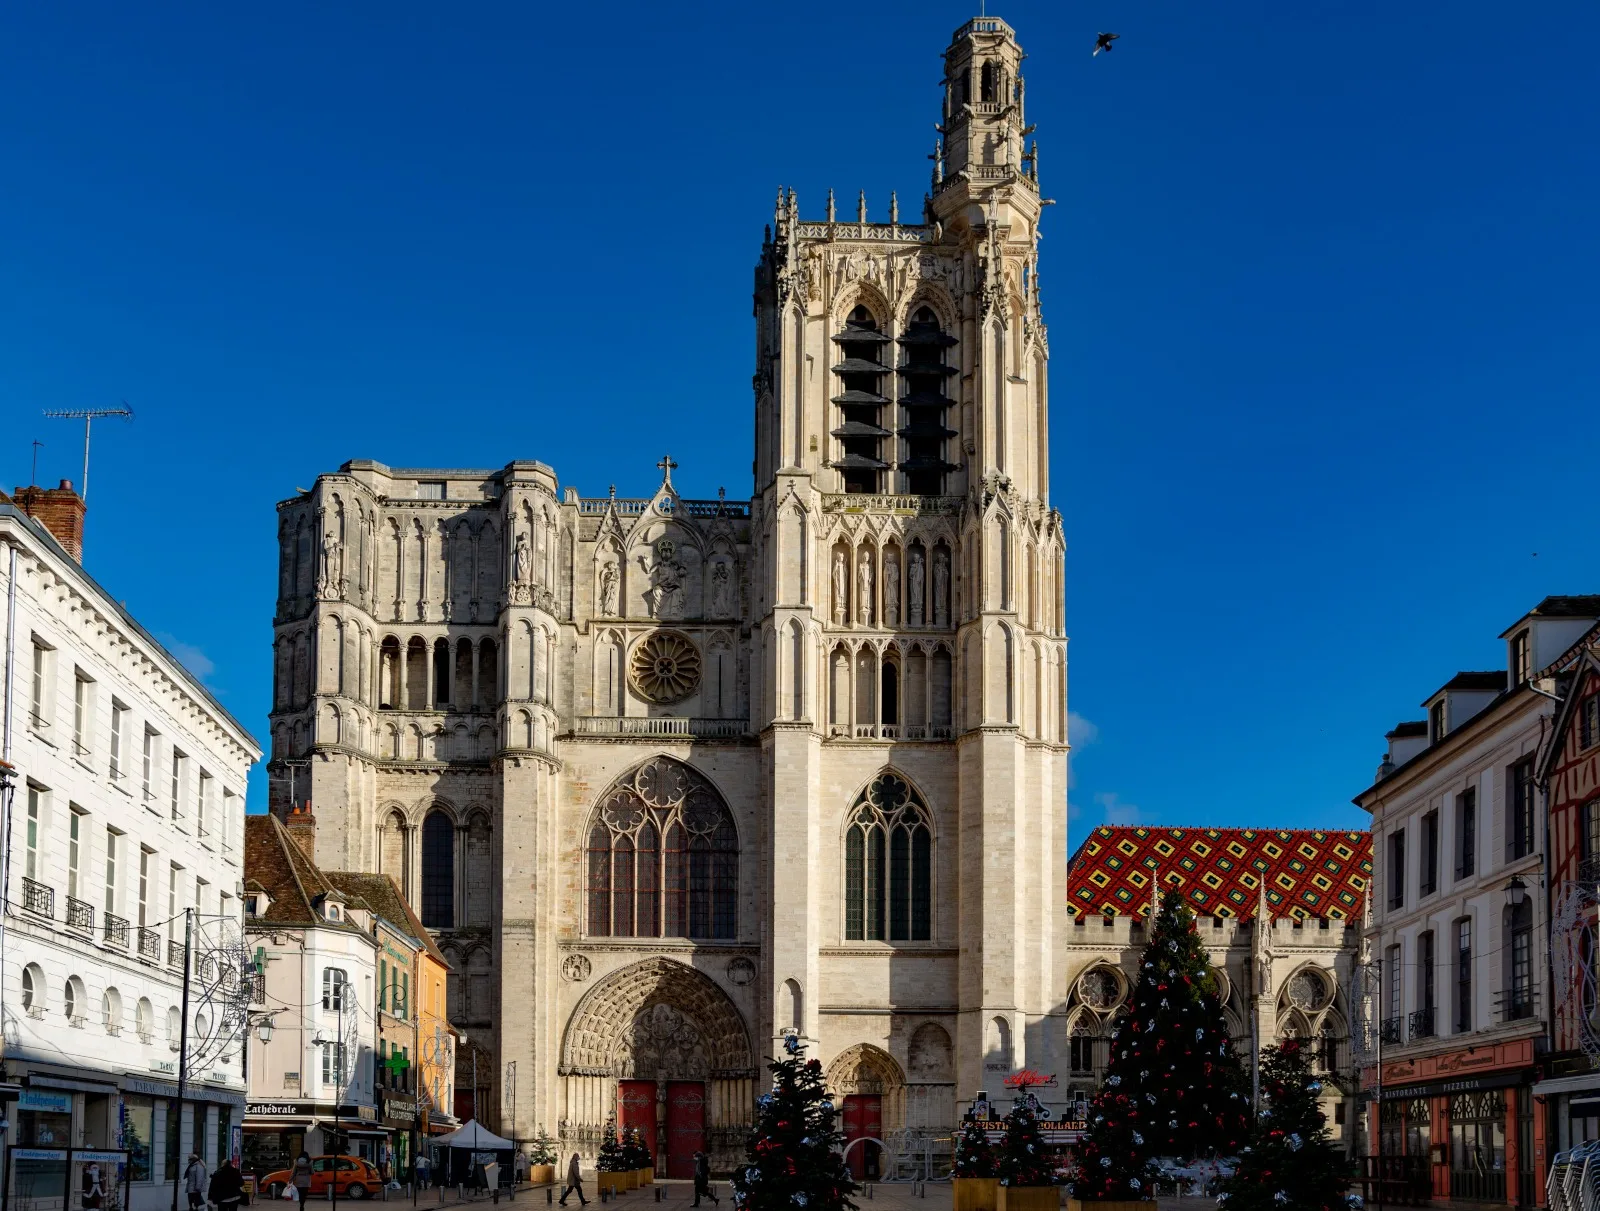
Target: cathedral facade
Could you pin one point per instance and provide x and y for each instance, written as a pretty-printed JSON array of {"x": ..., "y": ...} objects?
[{"x": 669, "y": 779}]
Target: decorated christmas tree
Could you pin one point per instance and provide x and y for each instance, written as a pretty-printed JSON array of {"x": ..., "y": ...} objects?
[
  {"x": 1291, "y": 1163},
  {"x": 634, "y": 1152},
  {"x": 611, "y": 1158},
  {"x": 1025, "y": 1158},
  {"x": 1173, "y": 1086},
  {"x": 542, "y": 1149},
  {"x": 793, "y": 1157},
  {"x": 974, "y": 1153}
]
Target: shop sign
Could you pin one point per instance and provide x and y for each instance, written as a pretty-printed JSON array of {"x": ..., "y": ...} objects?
[
  {"x": 1471, "y": 1084},
  {"x": 100, "y": 1158},
  {"x": 279, "y": 1109},
  {"x": 170, "y": 1067},
  {"x": 38, "y": 1154},
  {"x": 51, "y": 1103}
]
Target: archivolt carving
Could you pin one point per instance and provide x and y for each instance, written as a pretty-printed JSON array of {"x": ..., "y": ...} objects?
[
  {"x": 657, "y": 1018},
  {"x": 863, "y": 1069}
]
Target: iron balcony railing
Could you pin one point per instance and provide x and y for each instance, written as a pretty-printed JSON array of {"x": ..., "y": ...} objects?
[
  {"x": 80, "y": 914},
  {"x": 1589, "y": 870},
  {"x": 174, "y": 953},
  {"x": 116, "y": 930},
  {"x": 149, "y": 944},
  {"x": 1422, "y": 1023},
  {"x": 1392, "y": 1030},
  {"x": 1516, "y": 1004},
  {"x": 39, "y": 898}
]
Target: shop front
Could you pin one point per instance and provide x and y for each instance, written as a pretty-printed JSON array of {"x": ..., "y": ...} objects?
[
  {"x": 1462, "y": 1124},
  {"x": 400, "y": 1122},
  {"x": 1572, "y": 1106},
  {"x": 277, "y": 1132}
]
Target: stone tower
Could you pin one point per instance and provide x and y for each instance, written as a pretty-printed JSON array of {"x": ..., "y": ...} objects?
[{"x": 671, "y": 778}]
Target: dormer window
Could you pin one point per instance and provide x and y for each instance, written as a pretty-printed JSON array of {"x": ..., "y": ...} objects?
[
  {"x": 331, "y": 911},
  {"x": 1436, "y": 722},
  {"x": 250, "y": 906},
  {"x": 1589, "y": 721},
  {"x": 1521, "y": 658}
]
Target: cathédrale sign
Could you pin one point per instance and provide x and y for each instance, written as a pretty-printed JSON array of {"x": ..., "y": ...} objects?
[{"x": 308, "y": 1109}]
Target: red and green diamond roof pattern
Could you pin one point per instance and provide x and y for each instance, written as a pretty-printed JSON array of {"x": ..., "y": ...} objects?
[{"x": 1220, "y": 872}]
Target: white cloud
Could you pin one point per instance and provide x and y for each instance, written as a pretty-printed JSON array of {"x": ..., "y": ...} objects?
[
  {"x": 1080, "y": 731},
  {"x": 186, "y": 654},
  {"x": 1116, "y": 811}
]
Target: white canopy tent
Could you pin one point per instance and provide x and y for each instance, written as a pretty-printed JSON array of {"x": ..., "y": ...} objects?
[{"x": 471, "y": 1135}]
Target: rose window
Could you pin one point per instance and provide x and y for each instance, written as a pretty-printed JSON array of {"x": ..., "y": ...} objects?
[
  {"x": 1307, "y": 991},
  {"x": 1098, "y": 989},
  {"x": 665, "y": 667}
]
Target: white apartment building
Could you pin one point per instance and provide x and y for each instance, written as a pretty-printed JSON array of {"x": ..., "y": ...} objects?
[
  {"x": 126, "y": 807},
  {"x": 312, "y": 1083},
  {"x": 1457, "y": 944}
]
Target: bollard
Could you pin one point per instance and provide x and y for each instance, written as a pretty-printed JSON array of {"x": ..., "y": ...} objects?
[{"x": 549, "y": 1195}]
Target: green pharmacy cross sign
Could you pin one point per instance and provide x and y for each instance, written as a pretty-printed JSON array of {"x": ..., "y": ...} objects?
[{"x": 396, "y": 1064}]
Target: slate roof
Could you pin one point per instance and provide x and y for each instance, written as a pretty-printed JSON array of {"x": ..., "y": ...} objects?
[
  {"x": 274, "y": 864},
  {"x": 1494, "y": 679},
  {"x": 1307, "y": 873},
  {"x": 381, "y": 894}
]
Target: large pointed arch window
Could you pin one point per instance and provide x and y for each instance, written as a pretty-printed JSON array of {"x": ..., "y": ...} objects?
[
  {"x": 663, "y": 857},
  {"x": 888, "y": 860}
]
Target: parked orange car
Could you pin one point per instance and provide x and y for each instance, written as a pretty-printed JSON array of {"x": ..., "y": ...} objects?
[{"x": 354, "y": 1178}]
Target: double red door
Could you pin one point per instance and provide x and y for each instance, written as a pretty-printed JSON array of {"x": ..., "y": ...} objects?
[
  {"x": 686, "y": 1126},
  {"x": 636, "y": 1107},
  {"x": 863, "y": 1120}
]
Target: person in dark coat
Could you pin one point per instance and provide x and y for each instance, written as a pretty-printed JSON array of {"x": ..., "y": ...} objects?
[
  {"x": 227, "y": 1187},
  {"x": 574, "y": 1181},
  {"x": 702, "y": 1179}
]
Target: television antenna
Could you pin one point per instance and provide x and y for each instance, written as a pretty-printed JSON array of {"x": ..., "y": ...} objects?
[{"x": 87, "y": 416}]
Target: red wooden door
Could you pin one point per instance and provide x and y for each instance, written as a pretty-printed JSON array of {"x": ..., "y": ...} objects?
[
  {"x": 636, "y": 1107},
  {"x": 686, "y": 1126},
  {"x": 863, "y": 1120}
]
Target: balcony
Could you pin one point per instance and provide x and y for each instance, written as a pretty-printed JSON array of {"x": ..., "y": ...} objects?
[
  {"x": 1589, "y": 870},
  {"x": 1392, "y": 1031},
  {"x": 80, "y": 915},
  {"x": 116, "y": 930},
  {"x": 1516, "y": 1004},
  {"x": 1421, "y": 1023},
  {"x": 661, "y": 725},
  {"x": 149, "y": 945},
  {"x": 175, "y": 954},
  {"x": 38, "y": 898}
]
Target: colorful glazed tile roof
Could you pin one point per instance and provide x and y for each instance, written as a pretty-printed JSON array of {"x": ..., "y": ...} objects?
[{"x": 1221, "y": 871}]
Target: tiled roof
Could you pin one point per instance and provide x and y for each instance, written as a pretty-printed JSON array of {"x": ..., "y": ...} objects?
[
  {"x": 1220, "y": 871},
  {"x": 382, "y": 895},
  {"x": 292, "y": 881}
]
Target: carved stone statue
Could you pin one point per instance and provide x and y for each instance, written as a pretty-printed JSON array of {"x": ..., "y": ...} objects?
[
  {"x": 864, "y": 589},
  {"x": 721, "y": 589},
  {"x": 523, "y": 566},
  {"x": 841, "y": 587},
  {"x": 608, "y": 589},
  {"x": 666, "y": 580},
  {"x": 891, "y": 591},
  {"x": 941, "y": 586},
  {"x": 914, "y": 587},
  {"x": 328, "y": 569}
]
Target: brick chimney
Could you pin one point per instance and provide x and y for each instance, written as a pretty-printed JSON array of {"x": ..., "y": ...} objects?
[
  {"x": 59, "y": 510},
  {"x": 302, "y": 825}
]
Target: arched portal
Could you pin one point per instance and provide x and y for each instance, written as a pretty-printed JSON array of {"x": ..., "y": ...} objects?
[
  {"x": 870, "y": 1089},
  {"x": 661, "y": 1047}
]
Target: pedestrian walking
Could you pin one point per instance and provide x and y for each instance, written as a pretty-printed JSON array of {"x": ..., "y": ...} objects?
[
  {"x": 424, "y": 1171},
  {"x": 194, "y": 1182},
  {"x": 301, "y": 1180},
  {"x": 227, "y": 1187},
  {"x": 574, "y": 1181},
  {"x": 702, "y": 1179}
]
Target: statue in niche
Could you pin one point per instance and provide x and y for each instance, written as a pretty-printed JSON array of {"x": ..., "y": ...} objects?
[
  {"x": 914, "y": 587},
  {"x": 524, "y": 560},
  {"x": 891, "y": 591},
  {"x": 665, "y": 597},
  {"x": 721, "y": 589},
  {"x": 841, "y": 586},
  {"x": 328, "y": 568},
  {"x": 608, "y": 589},
  {"x": 864, "y": 589},
  {"x": 941, "y": 586}
]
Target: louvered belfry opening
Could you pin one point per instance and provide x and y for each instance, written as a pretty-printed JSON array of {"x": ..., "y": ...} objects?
[
  {"x": 861, "y": 402},
  {"x": 923, "y": 380}
]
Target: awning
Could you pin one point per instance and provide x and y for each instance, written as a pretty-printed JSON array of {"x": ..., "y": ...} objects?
[
  {"x": 479, "y": 1139},
  {"x": 1584, "y": 1082}
]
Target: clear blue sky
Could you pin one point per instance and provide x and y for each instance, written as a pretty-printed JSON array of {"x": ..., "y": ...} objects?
[{"x": 1320, "y": 285}]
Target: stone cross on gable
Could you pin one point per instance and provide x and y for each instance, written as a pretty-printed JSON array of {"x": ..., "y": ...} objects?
[{"x": 667, "y": 466}]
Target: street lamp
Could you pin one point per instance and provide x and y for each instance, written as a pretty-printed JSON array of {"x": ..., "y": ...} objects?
[
  {"x": 264, "y": 1030},
  {"x": 1516, "y": 892}
]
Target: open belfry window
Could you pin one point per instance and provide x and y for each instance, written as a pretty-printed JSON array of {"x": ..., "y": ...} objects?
[
  {"x": 860, "y": 402},
  {"x": 923, "y": 378}
]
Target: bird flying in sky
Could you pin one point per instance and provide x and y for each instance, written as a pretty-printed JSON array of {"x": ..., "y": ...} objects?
[{"x": 1104, "y": 41}]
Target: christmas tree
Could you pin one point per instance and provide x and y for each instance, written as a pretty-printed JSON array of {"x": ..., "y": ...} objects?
[
  {"x": 634, "y": 1152},
  {"x": 793, "y": 1157},
  {"x": 542, "y": 1150},
  {"x": 1291, "y": 1164},
  {"x": 1025, "y": 1158},
  {"x": 611, "y": 1159},
  {"x": 974, "y": 1153},
  {"x": 1173, "y": 1086}
]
